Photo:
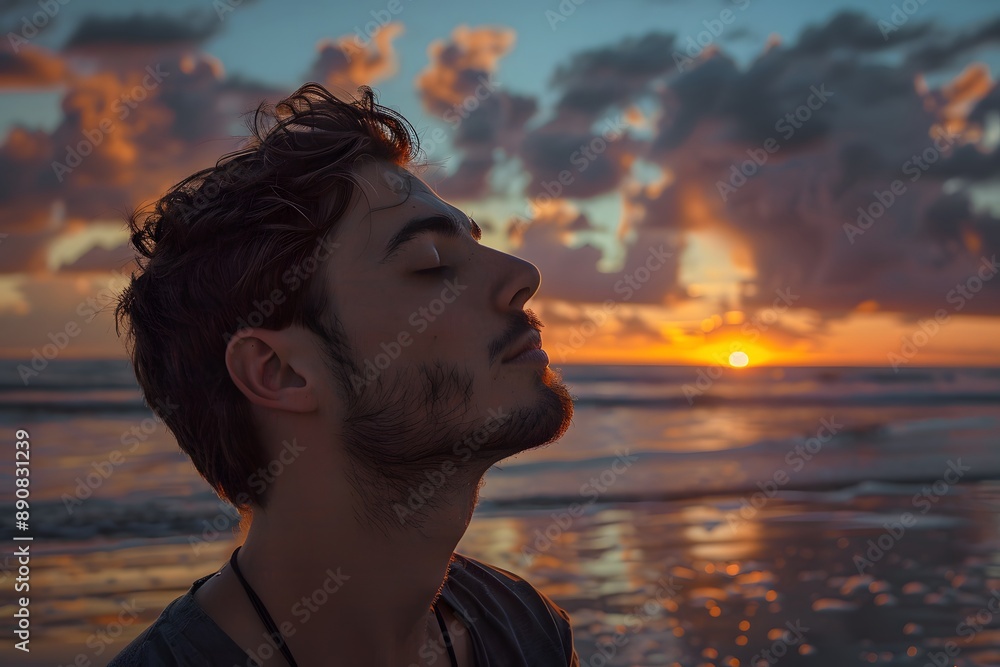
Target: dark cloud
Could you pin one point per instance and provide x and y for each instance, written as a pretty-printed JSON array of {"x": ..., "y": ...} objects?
[
  {"x": 852, "y": 32},
  {"x": 787, "y": 219},
  {"x": 26, "y": 252},
  {"x": 23, "y": 156},
  {"x": 790, "y": 216},
  {"x": 571, "y": 273},
  {"x": 989, "y": 103},
  {"x": 143, "y": 30},
  {"x": 131, "y": 129},
  {"x": 567, "y": 163},
  {"x": 469, "y": 180},
  {"x": 695, "y": 95},
  {"x": 497, "y": 121},
  {"x": 944, "y": 51},
  {"x": 30, "y": 67},
  {"x": 584, "y": 149},
  {"x": 114, "y": 149},
  {"x": 597, "y": 79}
]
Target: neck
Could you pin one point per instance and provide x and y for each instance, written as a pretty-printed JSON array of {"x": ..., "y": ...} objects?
[{"x": 349, "y": 587}]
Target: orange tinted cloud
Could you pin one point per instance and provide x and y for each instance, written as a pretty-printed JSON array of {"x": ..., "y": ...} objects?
[
  {"x": 30, "y": 67},
  {"x": 460, "y": 65},
  {"x": 346, "y": 63}
]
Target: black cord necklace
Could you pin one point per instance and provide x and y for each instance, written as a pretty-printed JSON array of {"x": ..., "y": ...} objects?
[{"x": 279, "y": 640}]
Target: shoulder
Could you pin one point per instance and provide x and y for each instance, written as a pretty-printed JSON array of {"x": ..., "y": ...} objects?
[
  {"x": 530, "y": 615},
  {"x": 152, "y": 646},
  {"x": 182, "y": 635}
]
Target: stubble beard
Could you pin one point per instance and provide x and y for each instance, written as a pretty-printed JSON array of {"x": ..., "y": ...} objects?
[{"x": 414, "y": 444}]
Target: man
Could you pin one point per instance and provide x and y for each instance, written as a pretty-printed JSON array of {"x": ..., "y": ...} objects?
[{"x": 349, "y": 361}]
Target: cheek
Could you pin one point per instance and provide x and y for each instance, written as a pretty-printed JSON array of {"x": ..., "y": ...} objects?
[{"x": 413, "y": 322}]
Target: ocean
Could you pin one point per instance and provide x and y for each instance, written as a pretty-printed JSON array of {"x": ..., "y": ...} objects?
[{"x": 690, "y": 516}]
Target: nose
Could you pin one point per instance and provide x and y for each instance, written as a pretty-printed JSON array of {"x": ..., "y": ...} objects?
[{"x": 520, "y": 280}]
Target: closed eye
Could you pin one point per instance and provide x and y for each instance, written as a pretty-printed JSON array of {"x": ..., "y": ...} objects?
[{"x": 434, "y": 270}]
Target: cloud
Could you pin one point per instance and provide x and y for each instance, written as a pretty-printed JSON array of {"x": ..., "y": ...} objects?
[
  {"x": 108, "y": 33},
  {"x": 126, "y": 135},
  {"x": 30, "y": 67},
  {"x": 857, "y": 32},
  {"x": 98, "y": 258},
  {"x": 787, "y": 221},
  {"x": 595, "y": 80},
  {"x": 345, "y": 63},
  {"x": 459, "y": 86},
  {"x": 944, "y": 51},
  {"x": 569, "y": 161},
  {"x": 842, "y": 126},
  {"x": 583, "y": 150},
  {"x": 571, "y": 273},
  {"x": 25, "y": 252},
  {"x": 868, "y": 125},
  {"x": 461, "y": 66}
]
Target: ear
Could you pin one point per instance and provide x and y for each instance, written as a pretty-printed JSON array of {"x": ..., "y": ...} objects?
[{"x": 265, "y": 369}]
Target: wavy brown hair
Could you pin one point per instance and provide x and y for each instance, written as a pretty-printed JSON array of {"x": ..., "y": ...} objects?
[{"x": 213, "y": 250}]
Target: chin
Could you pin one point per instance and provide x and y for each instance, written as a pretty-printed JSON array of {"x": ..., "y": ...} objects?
[
  {"x": 541, "y": 422},
  {"x": 558, "y": 400}
]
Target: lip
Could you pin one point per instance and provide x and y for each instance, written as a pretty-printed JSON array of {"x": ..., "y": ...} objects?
[
  {"x": 531, "y": 343},
  {"x": 530, "y": 356}
]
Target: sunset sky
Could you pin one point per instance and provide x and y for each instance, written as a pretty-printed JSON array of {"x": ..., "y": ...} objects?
[{"x": 687, "y": 176}]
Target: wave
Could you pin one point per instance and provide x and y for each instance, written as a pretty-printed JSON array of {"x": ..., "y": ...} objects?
[
  {"x": 881, "y": 399},
  {"x": 204, "y": 518}
]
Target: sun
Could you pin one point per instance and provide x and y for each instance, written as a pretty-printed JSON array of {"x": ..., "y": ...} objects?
[{"x": 738, "y": 359}]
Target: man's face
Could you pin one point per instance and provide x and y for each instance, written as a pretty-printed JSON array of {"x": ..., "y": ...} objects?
[{"x": 429, "y": 329}]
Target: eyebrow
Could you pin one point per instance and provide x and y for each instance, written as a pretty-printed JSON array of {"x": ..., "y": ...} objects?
[{"x": 438, "y": 222}]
